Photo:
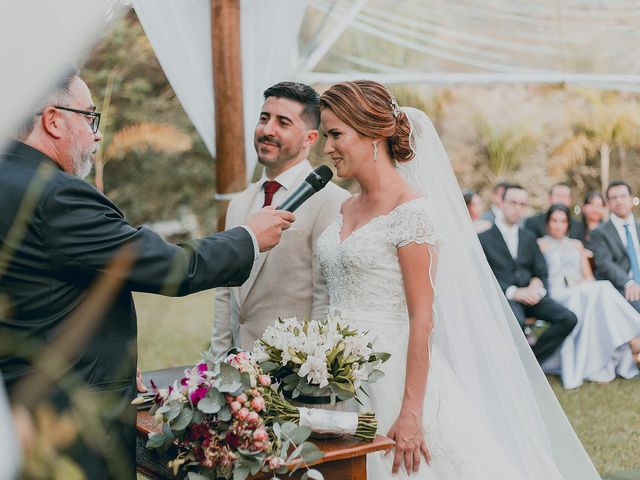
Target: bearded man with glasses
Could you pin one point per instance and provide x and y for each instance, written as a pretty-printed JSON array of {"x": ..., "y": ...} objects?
[{"x": 59, "y": 235}]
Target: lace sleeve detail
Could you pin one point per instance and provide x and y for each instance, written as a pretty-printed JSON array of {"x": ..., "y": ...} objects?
[{"x": 413, "y": 222}]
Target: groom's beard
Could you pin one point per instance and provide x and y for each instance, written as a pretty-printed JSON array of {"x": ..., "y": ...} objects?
[{"x": 285, "y": 154}]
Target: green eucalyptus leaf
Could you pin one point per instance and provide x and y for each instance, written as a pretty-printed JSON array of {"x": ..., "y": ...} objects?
[
  {"x": 299, "y": 434},
  {"x": 173, "y": 412},
  {"x": 311, "y": 453},
  {"x": 164, "y": 408},
  {"x": 312, "y": 474},
  {"x": 288, "y": 427},
  {"x": 245, "y": 379},
  {"x": 166, "y": 431},
  {"x": 229, "y": 379},
  {"x": 382, "y": 356},
  {"x": 294, "y": 454},
  {"x": 198, "y": 416},
  {"x": 183, "y": 420},
  {"x": 268, "y": 366},
  {"x": 156, "y": 440},
  {"x": 375, "y": 376},
  {"x": 224, "y": 414},
  {"x": 241, "y": 472},
  {"x": 212, "y": 402}
]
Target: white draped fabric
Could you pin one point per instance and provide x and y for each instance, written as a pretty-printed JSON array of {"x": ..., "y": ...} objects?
[
  {"x": 39, "y": 41},
  {"x": 180, "y": 33}
]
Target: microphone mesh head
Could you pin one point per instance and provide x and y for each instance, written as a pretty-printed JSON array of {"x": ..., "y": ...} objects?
[{"x": 319, "y": 177}]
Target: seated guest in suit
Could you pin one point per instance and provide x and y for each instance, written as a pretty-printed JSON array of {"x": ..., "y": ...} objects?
[
  {"x": 496, "y": 206},
  {"x": 608, "y": 327},
  {"x": 559, "y": 193},
  {"x": 519, "y": 267},
  {"x": 615, "y": 244},
  {"x": 592, "y": 214},
  {"x": 474, "y": 206}
]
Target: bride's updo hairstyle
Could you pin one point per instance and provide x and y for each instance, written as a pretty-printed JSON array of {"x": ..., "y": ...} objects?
[{"x": 371, "y": 110}]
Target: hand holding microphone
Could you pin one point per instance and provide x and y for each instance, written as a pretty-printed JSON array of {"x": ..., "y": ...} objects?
[{"x": 268, "y": 225}]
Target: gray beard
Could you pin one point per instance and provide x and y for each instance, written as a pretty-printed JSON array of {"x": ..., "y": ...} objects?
[{"x": 82, "y": 161}]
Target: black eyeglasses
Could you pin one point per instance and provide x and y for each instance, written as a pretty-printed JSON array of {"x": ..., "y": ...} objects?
[{"x": 95, "y": 116}]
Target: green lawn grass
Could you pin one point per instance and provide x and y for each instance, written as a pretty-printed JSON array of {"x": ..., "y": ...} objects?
[{"x": 172, "y": 332}]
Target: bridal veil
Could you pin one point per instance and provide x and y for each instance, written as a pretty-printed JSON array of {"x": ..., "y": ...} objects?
[{"x": 479, "y": 335}]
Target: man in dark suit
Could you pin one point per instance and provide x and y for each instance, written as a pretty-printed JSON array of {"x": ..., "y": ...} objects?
[
  {"x": 615, "y": 244},
  {"x": 59, "y": 234},
  {"x": 521, "y": 271},
  {"x": 559, "y": 193}
]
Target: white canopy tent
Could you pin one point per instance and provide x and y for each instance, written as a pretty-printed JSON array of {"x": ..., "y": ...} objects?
[{"x": 585, "y": 42}]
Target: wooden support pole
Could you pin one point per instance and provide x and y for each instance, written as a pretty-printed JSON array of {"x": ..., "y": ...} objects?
[{"x": 227, "y": 83}]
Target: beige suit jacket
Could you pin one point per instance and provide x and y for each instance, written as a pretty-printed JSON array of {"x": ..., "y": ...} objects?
[{"x": 285, "y": 281}]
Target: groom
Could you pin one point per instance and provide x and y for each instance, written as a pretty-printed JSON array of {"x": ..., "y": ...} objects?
[
  {"x": 286, "y": 282},
  {"x": 521, "y": 271}
]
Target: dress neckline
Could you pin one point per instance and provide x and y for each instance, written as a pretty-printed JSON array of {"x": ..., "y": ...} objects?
[{"x": 371, "y": 220}]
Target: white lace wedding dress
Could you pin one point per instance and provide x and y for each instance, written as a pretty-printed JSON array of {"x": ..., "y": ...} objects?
[{"x": 365, "y": 285}]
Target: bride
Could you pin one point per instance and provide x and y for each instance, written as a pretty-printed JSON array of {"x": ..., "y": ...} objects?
[{"x": 463, "y": 396}]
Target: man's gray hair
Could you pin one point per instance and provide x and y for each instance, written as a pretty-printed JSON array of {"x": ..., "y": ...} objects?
[{"x": 58, "y": 95}]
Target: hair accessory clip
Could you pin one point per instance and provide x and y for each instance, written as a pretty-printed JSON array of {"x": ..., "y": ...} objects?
[{"x": 394, "y": 106}]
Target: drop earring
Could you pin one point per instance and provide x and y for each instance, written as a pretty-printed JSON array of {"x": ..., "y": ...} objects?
[{"x": 375, "y": 151}]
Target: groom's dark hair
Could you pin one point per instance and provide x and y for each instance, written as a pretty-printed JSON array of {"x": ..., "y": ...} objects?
[{"x": 301, "y": 93}]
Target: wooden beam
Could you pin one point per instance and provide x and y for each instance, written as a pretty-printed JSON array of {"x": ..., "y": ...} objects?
[{"x": 227, "y": 83}]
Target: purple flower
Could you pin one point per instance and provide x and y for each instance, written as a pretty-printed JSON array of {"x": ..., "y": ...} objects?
[{"x": 195, "y": 383}]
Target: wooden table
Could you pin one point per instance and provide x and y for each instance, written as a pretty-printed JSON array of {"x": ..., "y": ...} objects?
[{"x": 344, "y": 459}]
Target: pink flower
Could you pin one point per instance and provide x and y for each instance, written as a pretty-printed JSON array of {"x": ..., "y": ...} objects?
[
  {"x": 260, "y": 435},
  {"x": 228, "y": 398},
  {"x": 253, "y": 417},
  {"x": 257, "y": 404},
  {"x": 242, "y": 398},
  {"x": 243, "y": 413},
  {"x": 235, "y": 406},
  {"x": 258, "y": 446},
  {"x": 265, "y": 380},
  {"x": 275, "y": 463}
]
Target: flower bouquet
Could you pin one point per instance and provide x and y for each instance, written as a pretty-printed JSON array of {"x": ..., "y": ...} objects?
[
  {"x": 218, "y": 421},
  {"x": 323, "y": 358}
]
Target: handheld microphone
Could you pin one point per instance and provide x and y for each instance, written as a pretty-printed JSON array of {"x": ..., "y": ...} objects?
[{"x": 314, "y": 182}]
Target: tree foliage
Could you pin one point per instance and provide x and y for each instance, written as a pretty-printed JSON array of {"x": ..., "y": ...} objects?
[{"x": 174, "y": 169}]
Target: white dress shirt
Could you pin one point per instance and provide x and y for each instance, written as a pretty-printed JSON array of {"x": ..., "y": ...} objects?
[
  {"x": 619, "y": 223},
  {"x": 285, "y": 179},
  {"x": 510, "y": 235}
]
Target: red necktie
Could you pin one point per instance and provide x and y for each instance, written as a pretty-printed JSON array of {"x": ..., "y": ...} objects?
[{"x": 270, "y": 187}]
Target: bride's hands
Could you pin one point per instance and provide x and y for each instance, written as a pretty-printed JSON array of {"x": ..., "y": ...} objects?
[{"x": 407, "y": 432}]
